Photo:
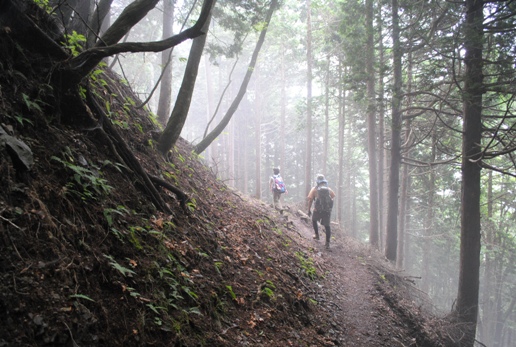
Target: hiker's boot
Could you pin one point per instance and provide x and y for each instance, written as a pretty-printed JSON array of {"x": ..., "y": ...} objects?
[
  {"x": 327, "y": 245},
  {"x": 316, "y": 237}
]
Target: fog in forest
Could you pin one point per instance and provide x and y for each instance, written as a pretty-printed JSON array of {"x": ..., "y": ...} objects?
[{"x": 332, "y": 93}]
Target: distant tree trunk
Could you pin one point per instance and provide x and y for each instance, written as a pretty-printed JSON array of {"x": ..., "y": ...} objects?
[
  {"x": 391, "y": 243},
  {"x": 258, "y": 149},
  {"x": 206, "y": 141},
  {"x": 326, "y": 138},
  {"x": 283, "y": 103},
  {"x": 405, "y": 178},
  {"x": 308, "y": 163},
  {"x": 371, "y": 129},
  {"x": 64, "y": 10},
  {"x": 81, "y": 17},
  {"x": 231, "y": 153},
  {"x": 210, "y": 105},
  {"x": 184, "y": 97},
  {"x": 487, "y": 319},
  {"x": 428, "y": 223},
  {"x": 467, "y": 297},
  {"x": 342, "y": 127},
  {"x": 382, "y": 208},
  {"x": 97, "y": 19},
  {"x": 350, "y": 216},
  {"x": 165, "y": 92}
]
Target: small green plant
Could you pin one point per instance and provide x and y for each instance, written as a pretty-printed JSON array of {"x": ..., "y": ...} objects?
[
  {"x": 44, "y": 5},
  {"x": 307, "y": 265},
  {"x": 109, "y": 214},
  {"x": 31, "y": 105},
  {"x": 122, "y": 270},
  {"x": 191, "y": 204},
  {"x": 22, "y": 120},
  {"x": 134, "y": 237},
  {"x": 218, "y": 265},
  {"x": 74, "y": 42},
  {"x": 267, "y": 291},
  {"x": 231, "y": 292},
  {"x": 81, "y": 296},
  {"x": 87, "y": 184}
]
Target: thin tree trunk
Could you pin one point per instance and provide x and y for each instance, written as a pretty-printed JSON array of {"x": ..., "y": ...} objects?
[
  {"x": 184, "y": 98},
  {"x": 326, "y": 138},
  {"x": 258, "y": 149},
  {"x": 428, "y": 223},
  {"x": 381, "y": 135},
  {"x": 283, "y": 102},
  {"x": 208, "y": 139},
  {"x": 165, "y": 92},
  {"x": 371, "y": 129},
  {"x": 342, "y": 124},
  {"x": 308, "y": 162},
  {"x": 467, "y": 297},
  {"x": 97, "y": 19}
]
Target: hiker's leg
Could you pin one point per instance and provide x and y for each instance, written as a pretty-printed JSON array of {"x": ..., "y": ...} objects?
[
  {"x": 328, "y": 235},
  {"x": 326, "y": 220},
  {"x": 316, "y": 227},
  {"x": 275, "y": 199}
]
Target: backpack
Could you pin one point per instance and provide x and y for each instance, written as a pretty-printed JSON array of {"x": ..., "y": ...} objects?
[
  {"x": 279, "y": 185},
  {"x": 323, "y": 202}
]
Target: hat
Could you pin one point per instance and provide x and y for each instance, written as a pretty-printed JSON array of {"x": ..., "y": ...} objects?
[{"x": 320, "y": 179}]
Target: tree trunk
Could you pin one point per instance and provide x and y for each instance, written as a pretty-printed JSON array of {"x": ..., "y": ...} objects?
[
  {"x": 428, "y": 223},
  {"x": 177, "y": 119},
  {"x": 258, "y": 149},
  {"x": 467, "y": 297},
  {"x": 342, "y": 127},
  {"x": 206, "y": 141},
  {"x": 283, "y": 102},
  {"x": 391, "y": 242},
  {"x": 308, "y": 161},
  {"x": 371, "y": 129},
  {"x": 326, "y": 138},
  {"x": 96, "y": 21},
  {"x": 382, "y": 208},
  {"x": 165, "y": 92}
]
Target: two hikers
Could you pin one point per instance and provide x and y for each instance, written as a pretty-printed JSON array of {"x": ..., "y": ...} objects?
[
  {"x": 277, "y": 187},
  {"x": 323, "y": 197}
]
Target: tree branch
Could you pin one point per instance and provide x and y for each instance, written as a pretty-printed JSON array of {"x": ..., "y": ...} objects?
[{"x": 77, "y": 68}]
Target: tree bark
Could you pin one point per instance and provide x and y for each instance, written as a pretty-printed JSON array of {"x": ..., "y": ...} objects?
[
  {"x": 308, "y": 154},
  {"x": 391, "y": 243},
  {"x": 468, "y": 290},
  {"x": 96, "y": 20},
  {"x": 165, "y": 91},
  {"x": 342, "y": 127},
  {"x": 382, "y": 208},
  {"x": 371, "y": 129}
]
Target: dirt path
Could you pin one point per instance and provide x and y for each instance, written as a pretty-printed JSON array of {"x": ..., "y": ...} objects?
[{"x": 357, "y": 315}]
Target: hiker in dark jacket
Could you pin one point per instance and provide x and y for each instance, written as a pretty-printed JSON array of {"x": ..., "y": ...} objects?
[{"x": 323, "y": 197}]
